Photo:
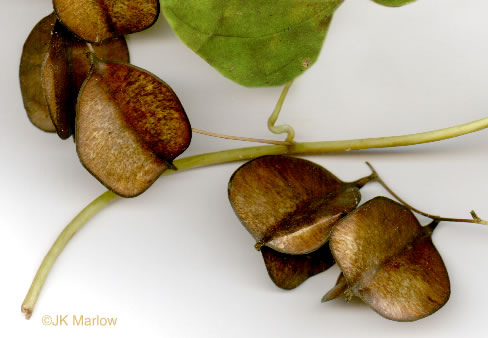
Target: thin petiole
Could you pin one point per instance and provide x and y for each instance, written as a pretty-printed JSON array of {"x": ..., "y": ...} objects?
[
  {"x": 435, "y": 218},
  {"x": 238, "y": 138},
  {"x": 284, "y": 128}
]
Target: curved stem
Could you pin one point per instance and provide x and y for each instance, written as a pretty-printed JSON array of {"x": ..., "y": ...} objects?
[
  {"x": 242, "y": 154},
  {"x": 284, "y": 128},
  {"x": 434, "y": 218},
  {"x": 58, "y": 246}
]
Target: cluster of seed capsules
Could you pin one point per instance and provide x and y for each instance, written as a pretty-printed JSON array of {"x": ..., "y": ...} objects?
[
  {"x": 128, "y": 125},
  {"x": 305, "y": 219}
]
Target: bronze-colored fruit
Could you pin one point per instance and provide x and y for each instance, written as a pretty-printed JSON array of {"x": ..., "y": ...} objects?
[
  {"x": 53, "y": 66},
  {"x": 114, "y": 49},
  {"x": 289, "y": 204},
  {"x": 389, "y": 261},
  {"x": 33, "y": 54},
  {"x": 98, "y": 20},
  {"x": 289, "y": 271},
  {"x": 130, "y": 126},
  {"x": 340, "y": 289},
  {"x": 56, "y": 81}
]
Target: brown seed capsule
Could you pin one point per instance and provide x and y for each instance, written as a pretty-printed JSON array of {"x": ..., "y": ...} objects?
[
  {"x": 289, "y": 204},
  {"x": 130, "y": 126},
  {"x": 114, "y": 49},
  {"x": 53, "y": 66},
  {"x": 97, "y": 20},
  {"x": 389, "y": 260},
  {"x": 340, "y": 289},
  {"x": 56, "y": 81},
  {"x": 33, "y": 55},
  {"x": 289, "y": 271}
]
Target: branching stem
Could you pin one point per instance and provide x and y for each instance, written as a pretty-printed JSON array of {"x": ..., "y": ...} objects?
[
  {"x": 434, "y": 218},
  {"x": 309, "y": 148},
  {"x": 241, "y": 154}
]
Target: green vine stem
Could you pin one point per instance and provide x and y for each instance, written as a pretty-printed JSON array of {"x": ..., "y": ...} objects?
[
  {"x": 308, "y": 148},
  {"x": 284, "y": 128},
  {"x": 239, "y": 154},
  {"x": 71, "y": 229}
]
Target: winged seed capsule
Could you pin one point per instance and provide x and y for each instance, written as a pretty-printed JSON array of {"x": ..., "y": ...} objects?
[
  {"x": 130, "y": 126},
  {"x": 289, "y": 206},
  {"x": 389, "y": 261}
]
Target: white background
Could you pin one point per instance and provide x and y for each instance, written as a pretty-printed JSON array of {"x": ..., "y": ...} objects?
[{"x": 176, "y": 262}]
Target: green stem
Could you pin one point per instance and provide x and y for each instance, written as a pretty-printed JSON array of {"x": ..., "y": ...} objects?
[
  {"x": 58, "y": 246},
  {"x": 307, "y": 148},
  {"x": 284, "y": 128},
  {"x": 240, "y": 154},
  {"x": 436, "y": 219}
]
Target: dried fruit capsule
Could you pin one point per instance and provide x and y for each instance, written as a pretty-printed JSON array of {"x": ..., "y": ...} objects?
[
  {"x": 130, "y": 126},
  {"x": 289, "y": 206},
  {"x": 95, "y": 21},
  {"x": 53, "y": 66},
  {"x": 289, "y": 271},
  {"x": 33, "y": 55},
  {"x": 389, "y": 261}
]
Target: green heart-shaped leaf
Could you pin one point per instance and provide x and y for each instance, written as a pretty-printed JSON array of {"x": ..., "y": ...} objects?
[
  {"x": 393, "y": 3},
  {"x": 253, "y": 42}
]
